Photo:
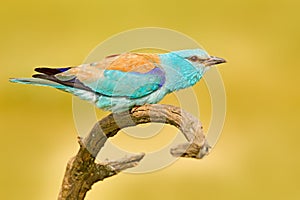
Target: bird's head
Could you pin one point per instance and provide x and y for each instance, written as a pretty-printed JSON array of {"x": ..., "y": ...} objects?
[{"x": 199, "y": 58}]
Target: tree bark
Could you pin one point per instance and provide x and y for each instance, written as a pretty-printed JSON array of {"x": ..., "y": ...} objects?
[{"x": 82, "y": 171}]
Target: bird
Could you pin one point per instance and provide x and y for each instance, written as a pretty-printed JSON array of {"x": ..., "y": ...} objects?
[{"x": 123, "y": 81}]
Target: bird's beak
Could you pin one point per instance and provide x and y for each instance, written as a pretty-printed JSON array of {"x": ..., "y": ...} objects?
[{"x": 213, "y": 61}]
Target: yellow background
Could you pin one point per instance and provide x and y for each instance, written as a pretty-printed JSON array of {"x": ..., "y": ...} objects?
[{"x": 257, "y": 156}]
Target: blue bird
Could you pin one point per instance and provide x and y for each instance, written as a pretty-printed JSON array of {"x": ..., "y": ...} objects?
[{"x": 120, "y": 82}]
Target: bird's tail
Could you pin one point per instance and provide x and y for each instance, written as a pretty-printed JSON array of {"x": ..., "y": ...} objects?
[
  {"x": 46, "y": 78},
  {"x": 37, "y": 81}
]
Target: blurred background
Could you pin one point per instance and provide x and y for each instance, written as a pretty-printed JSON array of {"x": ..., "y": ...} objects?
[{"x": 257, "y": 155}]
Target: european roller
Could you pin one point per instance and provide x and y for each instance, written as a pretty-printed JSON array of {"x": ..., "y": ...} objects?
[{"x": 120, "y": 82}]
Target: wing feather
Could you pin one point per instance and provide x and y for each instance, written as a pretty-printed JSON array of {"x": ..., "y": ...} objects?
[{"x": 128, "y": 75}]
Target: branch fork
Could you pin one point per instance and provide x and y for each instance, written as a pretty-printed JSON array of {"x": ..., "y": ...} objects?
[{"x": 82, "y": 171}]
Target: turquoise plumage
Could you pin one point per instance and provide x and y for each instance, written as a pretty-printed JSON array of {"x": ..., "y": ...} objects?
[{"x": 120, "y": 82}]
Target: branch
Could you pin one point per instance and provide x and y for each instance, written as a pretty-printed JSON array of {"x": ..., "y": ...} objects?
[{"x": 82, "y": 171}]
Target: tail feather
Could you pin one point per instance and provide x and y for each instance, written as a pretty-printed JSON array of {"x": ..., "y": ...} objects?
[
  {"x": 81, "y": 93},
  {"x": 47, "y": 78},
  {"x": 37, "y": 81}
]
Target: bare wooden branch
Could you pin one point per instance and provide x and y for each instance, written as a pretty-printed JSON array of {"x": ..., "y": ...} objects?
[{"x": 82, "y": 171}]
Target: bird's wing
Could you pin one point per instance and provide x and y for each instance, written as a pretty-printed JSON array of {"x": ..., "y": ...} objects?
[{"x": 128, "y": 75}]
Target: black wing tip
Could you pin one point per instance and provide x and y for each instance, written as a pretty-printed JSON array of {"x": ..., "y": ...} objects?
[
  {"x": 42, "y": 76},
  {"x": 51, "y": 71},
  {"x": 74, "y": 83}
]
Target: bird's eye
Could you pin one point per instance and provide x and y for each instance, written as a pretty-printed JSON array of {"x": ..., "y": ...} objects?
[{"x": 194, "y": 58}]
